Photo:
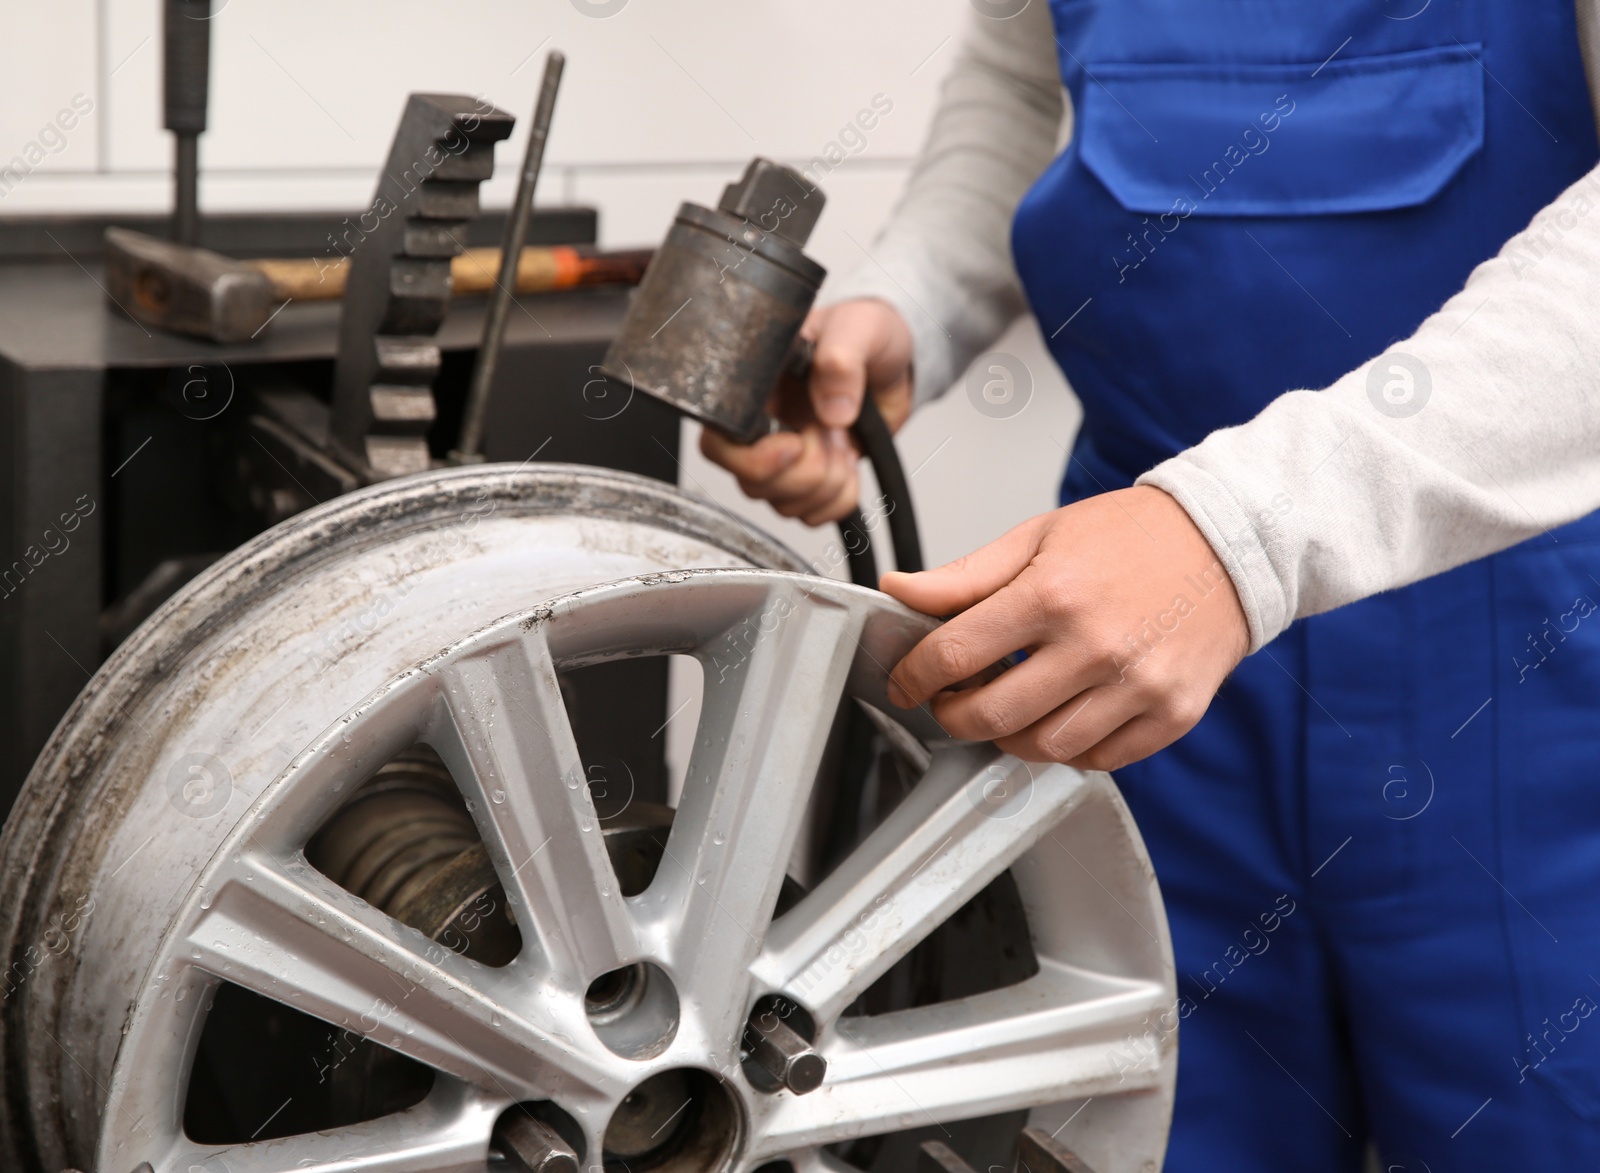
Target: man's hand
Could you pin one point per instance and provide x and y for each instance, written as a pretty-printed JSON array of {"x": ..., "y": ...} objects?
[
  {"x": 810, "y": 473},
  {"x": 1129, "y": 621}
]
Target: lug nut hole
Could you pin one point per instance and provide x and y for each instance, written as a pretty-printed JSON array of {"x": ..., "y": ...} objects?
[
  {"x": 633, "y": 1010},
  {"x": 613, "y": 994}
]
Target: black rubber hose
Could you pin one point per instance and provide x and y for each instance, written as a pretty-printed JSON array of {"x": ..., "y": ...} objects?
[
  {"x": 877, "y": 442},
  {"x": 877, "y": 445},
  {"x": 848, "y": 823},
  {"x": 857, "y": 541},
  {"x": 858, "y": 753}
]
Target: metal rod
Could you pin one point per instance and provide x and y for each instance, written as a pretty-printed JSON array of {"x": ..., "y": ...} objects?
[
  {"x": 186, "y": 188},
  {"x": 186, "y": 86},
  {"x": 494, "y": 330}
]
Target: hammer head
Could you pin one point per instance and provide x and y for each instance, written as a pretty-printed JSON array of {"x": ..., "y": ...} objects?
[{"x": 186, "y": 289}]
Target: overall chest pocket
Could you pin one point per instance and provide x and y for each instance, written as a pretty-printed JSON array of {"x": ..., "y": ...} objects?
[{"x": 1360, "y": 135}]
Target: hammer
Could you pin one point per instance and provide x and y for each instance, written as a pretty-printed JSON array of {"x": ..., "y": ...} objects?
[{"x": 196, "y": 291}]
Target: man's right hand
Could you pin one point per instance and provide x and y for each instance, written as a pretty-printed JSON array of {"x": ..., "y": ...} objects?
[{"x": 810, "y": 473}]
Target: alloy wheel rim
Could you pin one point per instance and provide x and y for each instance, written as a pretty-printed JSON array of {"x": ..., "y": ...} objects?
[{"x": 777, "y": 651}]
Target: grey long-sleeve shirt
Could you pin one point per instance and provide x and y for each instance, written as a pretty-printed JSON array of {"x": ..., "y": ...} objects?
[{"x": 1324, "y": 497}]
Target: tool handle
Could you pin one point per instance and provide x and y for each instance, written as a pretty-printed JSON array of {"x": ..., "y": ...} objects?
[
  {"x": 186, "y": 64},
  {"x": 540, "y": 270},
  {"x": 623, "y": 266}
]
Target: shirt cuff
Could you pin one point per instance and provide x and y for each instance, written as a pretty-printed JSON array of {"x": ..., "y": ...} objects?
[{"x": 1232, "y": 532}]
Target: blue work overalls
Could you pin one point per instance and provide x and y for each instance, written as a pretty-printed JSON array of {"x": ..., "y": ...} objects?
[{"x": 1380, "y": 850}]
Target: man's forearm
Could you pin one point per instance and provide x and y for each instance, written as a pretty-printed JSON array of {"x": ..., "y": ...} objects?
[
  {"x": 944, "y": 260},
  {"x": 1479, "y": 431}
]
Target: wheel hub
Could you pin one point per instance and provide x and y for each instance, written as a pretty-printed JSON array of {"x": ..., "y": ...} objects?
[{"x": 681, "y": 1120}]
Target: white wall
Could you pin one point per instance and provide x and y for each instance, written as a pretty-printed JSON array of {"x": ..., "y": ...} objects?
[
  {"x": 305, "y": 93},
  {"x": 663, "y": 101}
]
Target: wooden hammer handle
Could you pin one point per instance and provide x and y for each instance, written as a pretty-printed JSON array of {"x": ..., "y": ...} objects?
[{"x": 473, "y": 271}]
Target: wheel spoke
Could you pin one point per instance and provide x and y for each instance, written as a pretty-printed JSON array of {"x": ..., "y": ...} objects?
[
  {"x": 446, "y": 1133},
  {"x": 1063, "y": 1034},
  {"x": 968, "y": 819},
  {"x": 288, "y": 934},
  {"x": 772, "y": 686},
  {"x": 515, "y": 753}
]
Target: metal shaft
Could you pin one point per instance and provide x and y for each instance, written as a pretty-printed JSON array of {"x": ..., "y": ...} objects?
[
  {"x": 186, "y": 188},
  {"x": 516, "y": 234},
  {"x": 186, "y": 70}
]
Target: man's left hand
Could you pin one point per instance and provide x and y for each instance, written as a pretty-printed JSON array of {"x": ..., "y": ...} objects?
[{"x": 1129, "y": 620}]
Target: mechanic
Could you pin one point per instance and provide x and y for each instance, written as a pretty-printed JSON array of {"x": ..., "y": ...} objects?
[{"x": 1257, "y": 198}]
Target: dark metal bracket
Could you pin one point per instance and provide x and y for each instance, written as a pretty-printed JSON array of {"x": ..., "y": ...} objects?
[{"x": 399, "y": 285}]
